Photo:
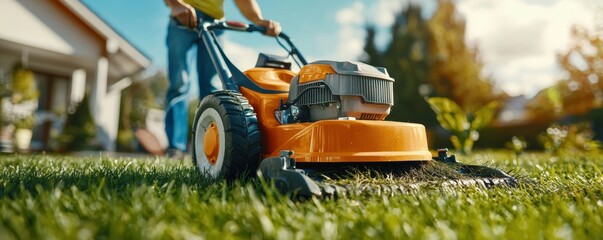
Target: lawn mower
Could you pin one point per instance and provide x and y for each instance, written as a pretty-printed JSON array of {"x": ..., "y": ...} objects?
[{"x": 298, "y": 129}]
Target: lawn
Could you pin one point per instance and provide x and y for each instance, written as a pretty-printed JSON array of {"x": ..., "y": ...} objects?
[{"x": 58, "y": 197}]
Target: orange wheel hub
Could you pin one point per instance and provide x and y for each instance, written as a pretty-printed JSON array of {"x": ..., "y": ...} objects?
[{"x": 211, "y": 143}]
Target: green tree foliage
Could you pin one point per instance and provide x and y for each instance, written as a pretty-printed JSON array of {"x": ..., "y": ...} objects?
[
  {"x": 136, "y": 100},
  {"x": 25, "y": 93},
  {"x": 144, "y": 93},
  {"x": 455, "y": 68},
  {"x": 546, "y": 106},
  {"x": 3, "y": 118},
  {"x": 158, "y": 84},
  {"x": 583, "y": 64},
  {"x": 372, "y": 55},
  {"x": 430, "y": 58},
  {"x": 581, "y": 91},
  {"x": 569, "y": 139},
  {"x": 23, "y": 86},
  {"x": 79, "y": 130},
  {"x": 406, "y": 59},
  {"x": 4, "y": 91}
]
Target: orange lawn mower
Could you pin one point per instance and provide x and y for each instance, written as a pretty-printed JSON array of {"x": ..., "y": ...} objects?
[{"x": 297, "y": 130}]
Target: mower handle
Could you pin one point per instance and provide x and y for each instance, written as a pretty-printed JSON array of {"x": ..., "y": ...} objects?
[
  {"x": 240, "y": 26},
  {"x": 232, "y": 78},
  {"x": 244, "y": 27}
]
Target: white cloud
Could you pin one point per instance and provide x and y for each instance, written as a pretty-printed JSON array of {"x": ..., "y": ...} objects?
[
  {"x": 383, "y": 12},
  {"x": 243, "y": 57},
  {"x": 527, "y": 74},
  {"x": 351, "y": 32},
  {"x": 351, "y": 15},
  {"x": 519, "y": 39},
  {"x": 352, "y": 21}
]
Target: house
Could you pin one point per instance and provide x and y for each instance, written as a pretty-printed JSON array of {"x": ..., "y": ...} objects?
[
  {"x": 71, "y": 52},
  {"x": 513, "y": 111}
]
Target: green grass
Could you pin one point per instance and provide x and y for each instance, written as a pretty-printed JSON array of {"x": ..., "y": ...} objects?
[{"x": 100, "y": 197}]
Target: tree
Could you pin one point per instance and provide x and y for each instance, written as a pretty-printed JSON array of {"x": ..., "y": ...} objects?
[
  {"x": 431, "y": 58},
  {"x": 372, "y": 55},
  {"x": 144, "y": 93},
  {"x": 406, "y": 59},
  {"x": 456, "y": 71},
  {"x": 79, "y": 130},
  {"x": 5, "y": 92},
  {"x": 582, "y": 90},
  {"x": 546, "y": 106}
]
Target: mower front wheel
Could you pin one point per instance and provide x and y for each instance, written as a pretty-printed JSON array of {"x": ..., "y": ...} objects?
[{"x": 226, "y": 137}]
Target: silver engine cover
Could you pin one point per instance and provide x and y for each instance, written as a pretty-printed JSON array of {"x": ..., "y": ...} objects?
[{"x": 355, "y": 90}]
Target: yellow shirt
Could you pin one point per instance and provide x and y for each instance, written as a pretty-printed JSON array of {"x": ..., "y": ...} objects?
[{"x": 213, "y": 8}]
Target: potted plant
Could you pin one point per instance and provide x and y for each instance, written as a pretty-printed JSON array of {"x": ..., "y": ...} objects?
[
  {"x": 23, "y": 132},
  {"x": 24, "y": 99}
]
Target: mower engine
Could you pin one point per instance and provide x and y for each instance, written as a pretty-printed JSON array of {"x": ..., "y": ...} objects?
[{"x": 334, "y": 90}]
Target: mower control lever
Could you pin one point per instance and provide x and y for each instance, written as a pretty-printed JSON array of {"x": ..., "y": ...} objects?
[{"x": 443, "y": 156}]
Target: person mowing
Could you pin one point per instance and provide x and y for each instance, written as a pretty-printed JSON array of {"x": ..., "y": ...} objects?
[{"x": 181, "y": 38}]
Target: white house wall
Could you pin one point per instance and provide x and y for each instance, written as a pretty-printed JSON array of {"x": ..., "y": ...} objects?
[
  {"x": 64, "y": 38},
  {"x": 7, "y": 61},
  {"x": 41, "y": 24},
  {"x": 108, "y": 120},
  {"x": 60, "y": 95},
  {"x": 78, "y": 85}
]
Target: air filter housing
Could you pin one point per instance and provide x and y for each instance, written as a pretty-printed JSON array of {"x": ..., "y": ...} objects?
[{"x": 332, "y": 90}]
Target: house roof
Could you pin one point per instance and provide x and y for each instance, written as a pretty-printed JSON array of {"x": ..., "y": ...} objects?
[
  {"x": 115, "y": 42},
  {"x": 63, "y": 35}
]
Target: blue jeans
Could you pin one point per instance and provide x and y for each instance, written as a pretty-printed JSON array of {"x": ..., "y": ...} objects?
[{"x": 180, "y": 41}]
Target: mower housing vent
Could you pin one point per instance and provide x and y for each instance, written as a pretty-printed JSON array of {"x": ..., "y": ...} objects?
[
  {"x": 355, "y": 90},
  {"x": 372, "y": 90}
]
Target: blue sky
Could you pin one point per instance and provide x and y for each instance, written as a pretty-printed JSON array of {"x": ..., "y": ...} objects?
[
  {"x": 518, "y": 39},
  {"x": 144, "y": 22}
]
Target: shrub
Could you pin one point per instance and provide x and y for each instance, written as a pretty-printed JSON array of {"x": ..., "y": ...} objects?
[
  {"x": 26, "y": 122},
  {"x": 517, "y": 144},
  {"x": 559, "y": 139},
  {"x": 24, "y": 86},
  {"x": 79, "y": 130},
  {"x": 18, "y": 98},
  {"x": 4, "y": 120}
]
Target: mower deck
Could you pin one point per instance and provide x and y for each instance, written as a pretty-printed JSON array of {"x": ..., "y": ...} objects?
[{"x": 349, "y": 141}]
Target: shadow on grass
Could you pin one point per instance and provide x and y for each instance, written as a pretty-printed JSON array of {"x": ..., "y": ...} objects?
[{"x": 33, "y": 174}]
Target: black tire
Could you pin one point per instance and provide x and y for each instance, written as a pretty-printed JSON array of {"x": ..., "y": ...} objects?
[{"x": 238, "y": 130}]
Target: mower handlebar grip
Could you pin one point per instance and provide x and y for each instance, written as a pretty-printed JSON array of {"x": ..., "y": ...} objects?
[
  {"x": 239, "y": 26},
  {"x": 256, "y": 28},
  {"x": 261, "y": 29}
]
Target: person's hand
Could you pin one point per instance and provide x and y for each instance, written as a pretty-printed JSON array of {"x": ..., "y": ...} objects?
[
  {"x": 184, "y": 13},
  {"x": 273, "y": 28}
]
